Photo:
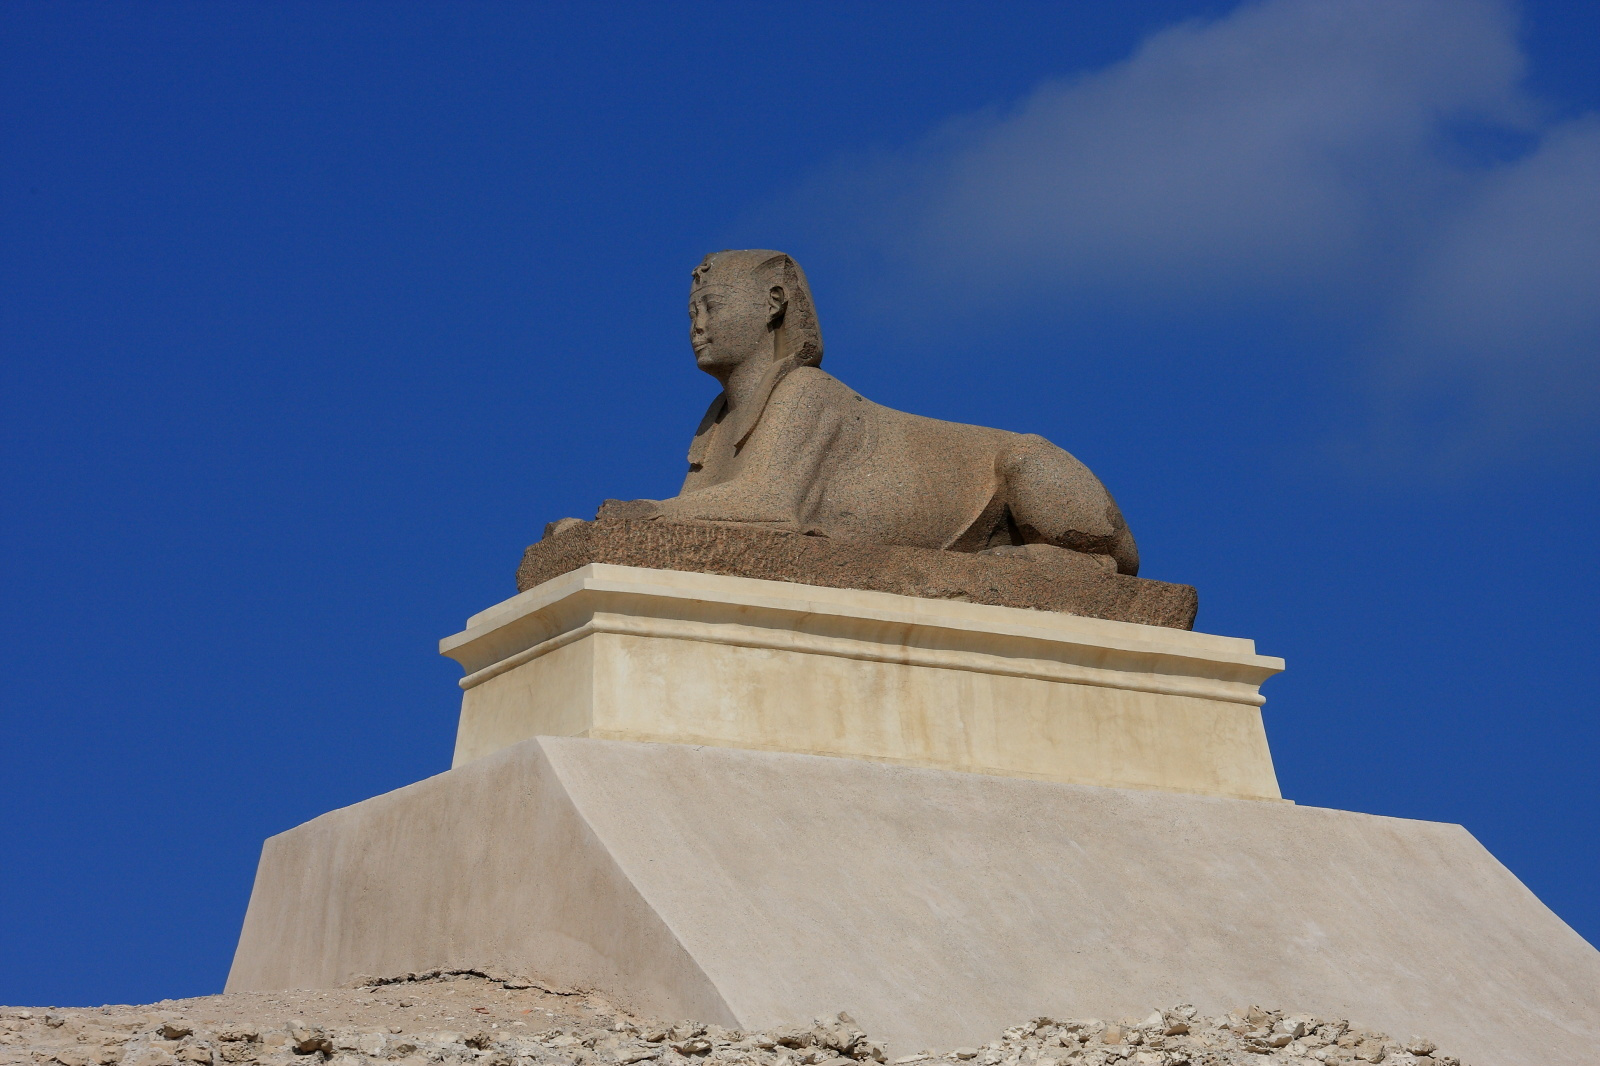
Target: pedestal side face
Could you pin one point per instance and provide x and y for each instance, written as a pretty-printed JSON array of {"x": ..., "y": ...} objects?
[
  {"x": 700, "y": 692},
  {"x": 938, "y": 908},
  {"x": 625, "y": 653},
  {"x": 486, "y": 867}
]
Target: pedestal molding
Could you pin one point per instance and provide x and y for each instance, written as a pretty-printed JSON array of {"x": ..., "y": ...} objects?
[{"x": 851, "y": 648}]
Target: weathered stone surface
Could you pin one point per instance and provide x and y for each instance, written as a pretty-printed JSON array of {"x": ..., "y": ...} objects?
[
  {"x": 789, "y": 447},
  {"x": 1037, "y": 577}
]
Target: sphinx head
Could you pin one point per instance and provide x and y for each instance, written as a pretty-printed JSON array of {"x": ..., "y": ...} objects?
[{"x": 751, "y": 307}]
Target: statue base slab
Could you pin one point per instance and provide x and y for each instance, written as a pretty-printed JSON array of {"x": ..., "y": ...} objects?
[
  {"x": 753, "y": 889},
  {"x": 1040, "y": 580},
  {"x": 626, "y": 653}
]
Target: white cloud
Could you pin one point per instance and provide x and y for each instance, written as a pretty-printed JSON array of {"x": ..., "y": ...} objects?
[
  {"x": 1507, "y": 294},
  {"x": 1308, "y": 150}
]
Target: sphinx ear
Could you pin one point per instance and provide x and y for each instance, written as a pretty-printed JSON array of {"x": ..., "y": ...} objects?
[{"x": 777, "y": 304}]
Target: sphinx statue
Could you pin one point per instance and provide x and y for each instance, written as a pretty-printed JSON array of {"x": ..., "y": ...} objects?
[{"x": 787, "y": 447}]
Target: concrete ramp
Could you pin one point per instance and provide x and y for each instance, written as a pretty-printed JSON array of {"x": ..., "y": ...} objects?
[{"x": 755, "y": 888}]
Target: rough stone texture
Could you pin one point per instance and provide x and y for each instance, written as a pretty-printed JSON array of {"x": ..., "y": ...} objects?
[
  {"x": 1041, "y": 579},
  {"x": 786, "y": 446},
  {"x": 466, "y": 1017},
  {"x": 749, "y": 889}
]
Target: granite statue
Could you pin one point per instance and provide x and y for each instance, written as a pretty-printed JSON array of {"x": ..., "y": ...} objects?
[{"x": 787, "y": 447}]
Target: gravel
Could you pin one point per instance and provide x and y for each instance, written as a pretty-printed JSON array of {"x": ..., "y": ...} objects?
[{"x": 469, "y": 1017}]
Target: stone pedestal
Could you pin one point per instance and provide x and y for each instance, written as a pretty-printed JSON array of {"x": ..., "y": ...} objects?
[
  {"x": 753, "y": 889},
  {"x": 735, "y": 877},
  {"x": 627, "y": 653}
]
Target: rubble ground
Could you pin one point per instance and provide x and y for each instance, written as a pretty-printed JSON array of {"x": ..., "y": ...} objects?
[{"x": 467, "y": 1017}]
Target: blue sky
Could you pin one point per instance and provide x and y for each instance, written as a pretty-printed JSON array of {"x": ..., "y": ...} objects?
[{"x": 312, "y": 316}]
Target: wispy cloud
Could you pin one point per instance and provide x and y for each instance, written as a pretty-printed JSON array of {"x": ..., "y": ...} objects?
[
  {"x": 1377, "y": 160},
  {"x": 1503, "y": 307}
]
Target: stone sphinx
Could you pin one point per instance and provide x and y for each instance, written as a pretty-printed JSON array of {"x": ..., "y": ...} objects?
[
  {"x": 788, "y": 447},
  {"x": 795, "y": 477}
]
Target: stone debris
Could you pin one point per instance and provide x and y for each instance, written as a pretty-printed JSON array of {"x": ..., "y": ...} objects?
[
  {"x": 455, "y": 1018},
  {"x": 1180, "y": 1036}
]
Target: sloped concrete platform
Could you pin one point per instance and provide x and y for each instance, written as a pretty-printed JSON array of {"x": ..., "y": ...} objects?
[{"x": 754, "y": 888}]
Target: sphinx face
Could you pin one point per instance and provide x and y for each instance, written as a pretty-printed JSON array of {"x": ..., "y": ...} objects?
[{"x": 728, "y": 327}]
